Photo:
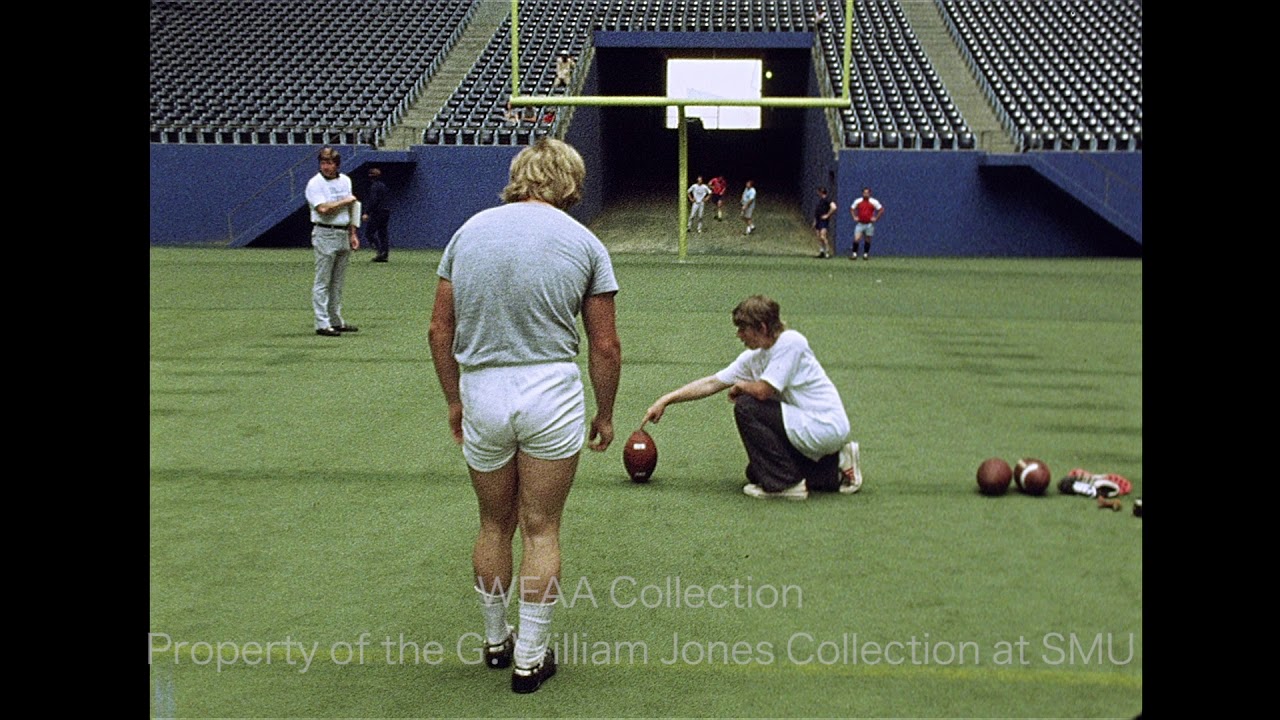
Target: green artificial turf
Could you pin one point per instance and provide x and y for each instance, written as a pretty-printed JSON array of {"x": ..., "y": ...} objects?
[{"x": 305, "y": 497}]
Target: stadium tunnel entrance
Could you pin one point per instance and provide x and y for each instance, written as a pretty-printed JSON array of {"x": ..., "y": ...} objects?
[{"x": 640, "y": 154}]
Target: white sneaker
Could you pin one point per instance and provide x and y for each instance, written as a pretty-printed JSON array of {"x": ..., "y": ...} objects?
[
  {"x": 799, "y": 491},
  {"x": 850, "y": 469}
]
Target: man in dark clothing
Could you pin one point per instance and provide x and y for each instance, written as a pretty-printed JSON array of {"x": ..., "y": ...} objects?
[
  {"x": 822, "y": 215},
  {"x": 377, "y": 214}
]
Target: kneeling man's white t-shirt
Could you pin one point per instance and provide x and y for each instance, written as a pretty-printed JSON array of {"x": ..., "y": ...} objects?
[{"x": 812, "y": 412}]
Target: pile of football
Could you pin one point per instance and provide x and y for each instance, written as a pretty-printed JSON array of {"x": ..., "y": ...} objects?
[
  {"x": 1031, "y": 476},
  {"x": 994, "y": 476},
  {"x": 640, "y": 456}
]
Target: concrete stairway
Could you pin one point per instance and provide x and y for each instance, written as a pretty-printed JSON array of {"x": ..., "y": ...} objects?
[
  {"x": 926, "y": 20},
  {"x": 488, "y": 18}
]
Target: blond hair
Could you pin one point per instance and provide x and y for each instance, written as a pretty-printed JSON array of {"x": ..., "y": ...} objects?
[{"x": 549, "y": 170}]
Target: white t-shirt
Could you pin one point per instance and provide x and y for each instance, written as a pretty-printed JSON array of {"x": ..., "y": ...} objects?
[
  {"x": 699, "y": 192},
  {"x": 812, "y": 411},
  {"x": 520, "y": 273},
  {"x": 320, "y": 191}
]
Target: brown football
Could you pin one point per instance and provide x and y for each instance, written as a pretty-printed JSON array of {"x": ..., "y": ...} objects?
[
  {"x": 1031, "y": 475},
  {"x": 640, "y": 456},
  {"x": 994, "y": 476}
]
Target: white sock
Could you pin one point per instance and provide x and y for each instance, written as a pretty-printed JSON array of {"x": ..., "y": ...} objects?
[
  {"x": 534, "y": 632},
  {"x": 494, "y": 608}
]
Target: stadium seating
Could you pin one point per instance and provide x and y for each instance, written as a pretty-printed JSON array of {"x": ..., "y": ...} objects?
[
  {"x": 897, "y": 99},
  {"x": 293, "y": 71},
  {"x": 893, "y": 90},
  {"x": 1063, "y": 75},
  {"x": 1060, "y": 75},
  {"x": 479, "y": 101}
]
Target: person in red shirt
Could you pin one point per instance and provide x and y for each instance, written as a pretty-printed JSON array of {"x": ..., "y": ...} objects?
[
  {"x": 718, "y": 187},
  {"x": 866, "y": 211}
]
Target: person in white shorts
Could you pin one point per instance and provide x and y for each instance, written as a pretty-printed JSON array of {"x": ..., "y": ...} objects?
[
  {"x": 504, "y": 342},
  {"x": 749, "y": 206},
  {"x": 866, "y": 211}
]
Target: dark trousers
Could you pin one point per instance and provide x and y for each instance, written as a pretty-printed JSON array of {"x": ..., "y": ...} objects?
[
  {"x": 772, "y": 462},
  {"x": 375, "y": 233}
]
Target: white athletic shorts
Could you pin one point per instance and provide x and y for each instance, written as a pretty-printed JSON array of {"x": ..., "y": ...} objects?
[{"x": 539, "y": 409}]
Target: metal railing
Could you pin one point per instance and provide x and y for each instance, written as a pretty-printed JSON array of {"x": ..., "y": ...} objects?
[{"x": 289, "y": 186}]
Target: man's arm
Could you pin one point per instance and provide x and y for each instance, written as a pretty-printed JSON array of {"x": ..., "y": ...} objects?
[
  {"x": 440, "y": 336},
  {"x": 328, "y": 207},
  {"x": 604, "y": 364},
  {"x": 879, "y": 214},
  {"x": 758, "y": 389},
  {"x": 696, "y": 390}
]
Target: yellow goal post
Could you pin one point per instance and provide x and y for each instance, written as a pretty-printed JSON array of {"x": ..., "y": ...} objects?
[{"x": 518, "y": 100}]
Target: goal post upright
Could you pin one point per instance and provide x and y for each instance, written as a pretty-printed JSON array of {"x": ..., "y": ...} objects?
[
  {"x": 519, "y": 100},
  {"x": 515, "y": 50},
  {"x": 682, "y": 181}
]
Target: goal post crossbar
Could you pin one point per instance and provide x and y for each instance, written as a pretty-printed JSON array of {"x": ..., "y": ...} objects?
[
  {"x": 634, "y": 101},
  {"x": 653, "y": 101},
  {"x": 680, "y": 104}
]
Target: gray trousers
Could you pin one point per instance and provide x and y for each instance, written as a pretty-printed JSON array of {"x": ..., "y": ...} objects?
[
  {"x": 772, "y": 462},
  {"x": 333, "y": 254},
  {"x": 695, "y": 213}
]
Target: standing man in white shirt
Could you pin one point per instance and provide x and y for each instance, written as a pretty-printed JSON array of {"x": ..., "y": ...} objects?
[
  {"x": 334, "y": 238},
  {"x": 749, "y": 206},
  {"x": 698, "y": 193},
  {"x": 789, "y": 414}
]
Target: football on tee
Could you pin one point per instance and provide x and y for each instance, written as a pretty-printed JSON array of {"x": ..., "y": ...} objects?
[
  {"x": 640, "y": 456},
  {"x": 994, "y": 476},
  {"x": 1031, "y": 476}
]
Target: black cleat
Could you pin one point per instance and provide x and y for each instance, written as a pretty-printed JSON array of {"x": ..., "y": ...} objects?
[
  {"x": 527, "y": 681},
  {"x": 499, "y": 656}
]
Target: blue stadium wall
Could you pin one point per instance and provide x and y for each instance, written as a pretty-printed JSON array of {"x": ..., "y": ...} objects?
[
  {"x": 938, "y": 203},
  {"x": 961, "y": 204}
]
